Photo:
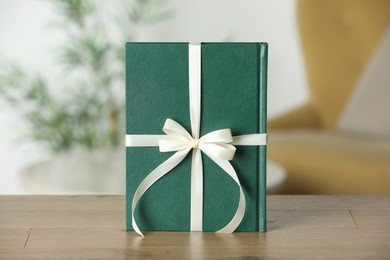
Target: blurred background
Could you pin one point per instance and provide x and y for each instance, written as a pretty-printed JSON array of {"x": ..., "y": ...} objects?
[{"x": 62, "y": 88}]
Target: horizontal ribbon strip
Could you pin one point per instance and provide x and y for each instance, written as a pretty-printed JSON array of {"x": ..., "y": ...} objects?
[{"x": 153, "y": 140}]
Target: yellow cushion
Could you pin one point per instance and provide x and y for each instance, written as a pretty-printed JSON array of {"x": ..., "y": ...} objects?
[
  {"x": 338, "y": 38},
  {"x": 320, "y": 162},
  {"x": 304, "y": 116}
]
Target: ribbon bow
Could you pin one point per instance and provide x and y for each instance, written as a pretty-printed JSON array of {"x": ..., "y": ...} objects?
[
  {"x": 218, "y": 145},
  {"x": 214, "y": 144}
]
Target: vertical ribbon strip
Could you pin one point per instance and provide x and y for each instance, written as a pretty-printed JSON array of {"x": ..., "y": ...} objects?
[
  {"x": 194, "y": 76},
  {"x": 218, "y": 145}
]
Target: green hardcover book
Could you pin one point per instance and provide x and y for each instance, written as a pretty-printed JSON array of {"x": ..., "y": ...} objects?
[{"x": 233, "y": 95}]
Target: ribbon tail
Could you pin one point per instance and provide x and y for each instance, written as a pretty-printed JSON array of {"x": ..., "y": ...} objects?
[
  {"x": 196, "y": 191},
  {"x": 239, "y": 215},
  {"x": 156, "y": 174}
]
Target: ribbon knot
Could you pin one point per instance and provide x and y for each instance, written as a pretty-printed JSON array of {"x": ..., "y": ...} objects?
[{"x": 195, "y": 143}]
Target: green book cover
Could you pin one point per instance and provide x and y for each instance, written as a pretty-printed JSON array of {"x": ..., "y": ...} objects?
[{"x": 233, "y": 95}]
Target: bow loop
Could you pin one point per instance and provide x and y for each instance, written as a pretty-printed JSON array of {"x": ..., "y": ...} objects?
[
  {"x": 175, "y": 131},
  {"x": 218, "y": 136},
  {"x": 172, "y": 145},
  {"x": 221, "y": 151}
]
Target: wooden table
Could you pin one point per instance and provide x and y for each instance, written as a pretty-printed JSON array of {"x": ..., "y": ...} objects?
[{"x": 300, "y": 227}]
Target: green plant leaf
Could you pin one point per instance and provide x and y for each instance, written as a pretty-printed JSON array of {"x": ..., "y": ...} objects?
[{"x": 88, "y": 113}]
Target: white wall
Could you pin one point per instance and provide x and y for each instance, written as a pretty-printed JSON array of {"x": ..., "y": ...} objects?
[
  {"x": 251, "y": 20},
  {"x": 26, "y": 37}
]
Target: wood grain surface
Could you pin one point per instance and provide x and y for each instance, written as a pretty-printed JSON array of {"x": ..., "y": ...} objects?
[{"x": 93, "y": 227}]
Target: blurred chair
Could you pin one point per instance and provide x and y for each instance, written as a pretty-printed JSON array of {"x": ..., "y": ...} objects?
[{"x": 338, "y": 39}]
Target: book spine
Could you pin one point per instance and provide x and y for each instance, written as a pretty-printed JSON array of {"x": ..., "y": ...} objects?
[{"x": 263, "y": 129}]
